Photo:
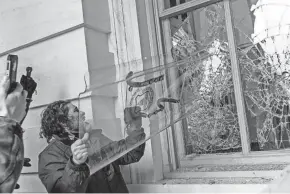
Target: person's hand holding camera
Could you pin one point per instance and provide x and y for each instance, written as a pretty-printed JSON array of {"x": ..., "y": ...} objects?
[
  {"x": 80, "y": 150},
  {"x": 12, "y": 105}
]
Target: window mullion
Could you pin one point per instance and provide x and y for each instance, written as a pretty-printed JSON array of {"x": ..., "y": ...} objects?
[
  {"x": 172, "y": 76},
  {"x": 240, "y": 103},
  {"x": 165, "y": 45},
  {"x": 185, "y": 7},
  {"x": 155, "y": 124}
]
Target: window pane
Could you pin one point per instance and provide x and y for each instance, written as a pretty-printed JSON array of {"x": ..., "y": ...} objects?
[
  {"x": 200, "y": 37},
  {"x": 262, "y": 36},
  {"x": 173, "y": 3}
]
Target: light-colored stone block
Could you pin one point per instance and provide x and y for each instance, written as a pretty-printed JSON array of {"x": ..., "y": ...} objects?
[{"x": 26, "y": 21}]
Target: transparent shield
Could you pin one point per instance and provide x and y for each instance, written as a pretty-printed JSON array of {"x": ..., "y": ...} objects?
[{"x": 124, "y": 114}]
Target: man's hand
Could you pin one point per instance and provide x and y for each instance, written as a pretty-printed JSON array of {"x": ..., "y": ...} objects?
[
  {"x": 133, "y": 119},
  {"x": 80, "y": 150},
  {"x": 134, "y": 125},
  {"x": 12, "y": 105}
]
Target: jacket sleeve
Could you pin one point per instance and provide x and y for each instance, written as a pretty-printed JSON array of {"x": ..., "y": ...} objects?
[
  {"x": 60, "y": 176},
  {"x": 11, "y": 154},
  {"x": 124, "y": 144},
  {"x": 132, "y": 156}
]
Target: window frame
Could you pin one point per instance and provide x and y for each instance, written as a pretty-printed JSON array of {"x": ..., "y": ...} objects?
[{"x": 175, "y": 136}]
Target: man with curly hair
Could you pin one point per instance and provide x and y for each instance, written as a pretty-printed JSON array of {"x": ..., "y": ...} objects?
[{"x": 64, "y": 163}]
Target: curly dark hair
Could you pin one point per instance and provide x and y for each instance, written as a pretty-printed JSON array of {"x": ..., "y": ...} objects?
[{"x": 53, "y": 120}]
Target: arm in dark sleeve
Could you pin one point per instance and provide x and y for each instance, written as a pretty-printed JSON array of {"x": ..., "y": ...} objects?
[
  {"x": 11, "y": 154},
  {"x": 124, "y": 144},
  {"x": 132, "y": 156},
  {"x": 60, "y": 176}
]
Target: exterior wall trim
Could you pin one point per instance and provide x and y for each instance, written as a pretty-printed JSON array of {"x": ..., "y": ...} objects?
[{"x": 49, "y": 37}]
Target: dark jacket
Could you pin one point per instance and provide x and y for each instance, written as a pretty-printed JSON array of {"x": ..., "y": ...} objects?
[
  {"x": 59, "y": 175},
  {"x": 11, "y": 154}
]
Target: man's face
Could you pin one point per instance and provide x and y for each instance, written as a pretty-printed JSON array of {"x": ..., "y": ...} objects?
[{"x": 76, "y": 118}]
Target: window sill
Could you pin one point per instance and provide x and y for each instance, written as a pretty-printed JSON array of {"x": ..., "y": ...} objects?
[
  {"x": 197, "y": 188},
  {"x": 275, "y": 156}
]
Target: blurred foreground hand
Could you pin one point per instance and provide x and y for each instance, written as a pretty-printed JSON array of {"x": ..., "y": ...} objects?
[{"x": 12, "y": 105}]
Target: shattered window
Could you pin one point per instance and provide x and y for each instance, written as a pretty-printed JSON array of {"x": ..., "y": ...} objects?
[
  {"x": 207, "y": 90},
  {"x": 263, "y": 40},
  {"x": 261, "y": 30}
]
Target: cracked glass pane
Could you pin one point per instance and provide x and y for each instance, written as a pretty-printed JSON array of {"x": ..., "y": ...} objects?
[
  {"x": 263, "y": 37},
  {"x": 201, "y": 36}
]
